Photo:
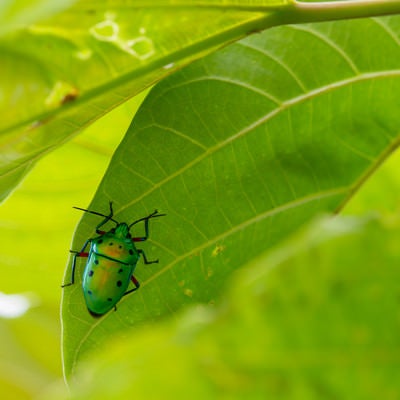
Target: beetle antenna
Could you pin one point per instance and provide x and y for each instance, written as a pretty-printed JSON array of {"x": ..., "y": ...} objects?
[
  {"x": 152, "y": 215},
  {"x": 97, "y": 213}
]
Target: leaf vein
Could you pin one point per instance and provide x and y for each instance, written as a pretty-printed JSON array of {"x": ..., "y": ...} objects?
[
  {"x": 279, "y": 62},
  {"x": 284, "y": 106},
  {"x": 330, "y": 43},
  {"x": 239, "y": 227},
  {"x": 386, "y": 28}
]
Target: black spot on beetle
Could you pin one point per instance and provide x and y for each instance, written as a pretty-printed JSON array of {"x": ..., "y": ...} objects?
[
  {"x": 120, "y": 270},
  {"x": 109, "y": 299},
  {"x": 110, "y": 244},
  {"x": 89, "y": 292},
  {"x": 120, "y": 246},
  {"x": 130, "y": 251},
  {"x": 96, "y": 261},
  {"x": 91, "y": 272},
  {"x": 119, "y": 283},
  {"x": 100, "y": 241}
]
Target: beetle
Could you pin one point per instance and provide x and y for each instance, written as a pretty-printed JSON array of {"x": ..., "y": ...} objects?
[{"x": 111, "y": 262}]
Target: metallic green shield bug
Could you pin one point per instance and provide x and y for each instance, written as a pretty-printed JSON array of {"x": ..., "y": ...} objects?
[{"x": 111, "y": 261}]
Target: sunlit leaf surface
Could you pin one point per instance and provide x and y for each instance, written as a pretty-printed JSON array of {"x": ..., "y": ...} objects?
[{"x": 60, "y": 74}]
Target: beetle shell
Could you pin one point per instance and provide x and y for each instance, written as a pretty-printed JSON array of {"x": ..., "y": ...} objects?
[{"x": 111, "y": 263}]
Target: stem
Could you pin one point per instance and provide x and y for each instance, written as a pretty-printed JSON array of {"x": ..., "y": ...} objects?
[{"x": 300, "y": 12}]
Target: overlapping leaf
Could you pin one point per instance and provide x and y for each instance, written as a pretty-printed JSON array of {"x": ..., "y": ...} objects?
[{"x": 60, "y": 74}]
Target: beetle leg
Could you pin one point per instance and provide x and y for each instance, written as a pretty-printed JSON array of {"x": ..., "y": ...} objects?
[
  {"x": 136, "y": 283},
  {"x": 146, "y": 261},
  {"x": 106, "y": 217},
  {"x": 81, "y": 253},
  {"x": 146, "y": 225}
]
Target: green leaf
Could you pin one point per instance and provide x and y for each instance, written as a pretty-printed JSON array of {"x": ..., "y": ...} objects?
[
  {"x": 15, "y": 15},
  {"x": 61, "y": 74},
  {"x": 315, "y": 318},
  {"x": 240, "y": 149}
]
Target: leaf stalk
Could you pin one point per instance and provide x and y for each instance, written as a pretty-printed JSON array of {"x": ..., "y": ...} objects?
[{"x": 300, "y": 12}]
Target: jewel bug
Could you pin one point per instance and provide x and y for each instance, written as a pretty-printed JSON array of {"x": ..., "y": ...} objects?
[{"x": 111, "y": 261}]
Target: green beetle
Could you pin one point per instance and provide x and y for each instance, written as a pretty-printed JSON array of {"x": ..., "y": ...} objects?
[{"x": 111, "y": 261}]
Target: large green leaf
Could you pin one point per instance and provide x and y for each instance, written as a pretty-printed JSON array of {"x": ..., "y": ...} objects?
[
  {"x": 239, "y": 149},
  {"x": 316, "y": 318},
  {"x": 60, "y": 74}
]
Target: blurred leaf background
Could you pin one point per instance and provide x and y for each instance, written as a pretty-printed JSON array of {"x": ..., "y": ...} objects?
[
  {"x": 325, "y": 268},
  {"x": 37, "y": 224}
]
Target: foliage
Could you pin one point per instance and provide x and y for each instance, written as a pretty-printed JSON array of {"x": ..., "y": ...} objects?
[
  {"x": 289, "y": 328},
  {"x": 241, "y": 149}
]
